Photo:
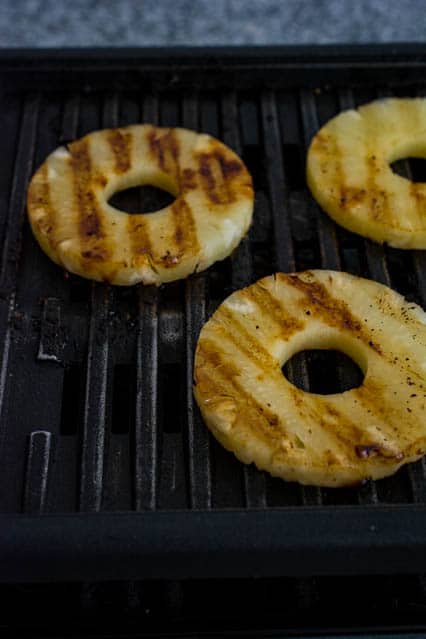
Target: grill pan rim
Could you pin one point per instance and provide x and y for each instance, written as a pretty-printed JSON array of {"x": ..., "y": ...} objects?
[
  {"x": 291, "y": 542},
  {"x": 369, "y": 539}
]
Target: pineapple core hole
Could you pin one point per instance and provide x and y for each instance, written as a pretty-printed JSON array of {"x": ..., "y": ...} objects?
[
  {"x": 412, "y": 168},
  {"x": 141, "y": 199},
  {"x": 329, "y": 371}
]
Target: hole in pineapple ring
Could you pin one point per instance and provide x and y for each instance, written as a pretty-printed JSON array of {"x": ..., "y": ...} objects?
[
  {"x": 413, "y": 166},
  {"x": 329, "y": 371},
  {"x": 145, "y": 199}
]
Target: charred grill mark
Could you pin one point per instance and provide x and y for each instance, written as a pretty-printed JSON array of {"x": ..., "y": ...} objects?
[
  {"x": 338, "y": 423},
  {"x": 208, "y": 180},
  {"x": 381, "y": 411},
  {"x": 184, "y": 241},
  {"x": 378, "y": 198},
  {"x": 120, "y": 144},
  {"x": 343, "y": 432},
  {"x": 188, "y": 180},
  {"x": 164, "y": 147},
  {"x": 271, "y": 307},
  {"x": 185, "y": 234},
  {"x": 173, "y": 145},
  {"x": 225, "y": 375},
  {"x": 331, "y": 310},
  {"x": 157, "y": 148},
  {"x": 139, "y": 238},
  {"x": 244, "y": 342},
  {"x": 418, "y": 196},
  {"x": 326, "y": 146},
  {"x": 230, "y": 168},
  {"x": 90, "y": 220},
  {"x": 223, "y": 191},
  {"x": 351, "y": 197},
  {"x": 95, "y": 255},
  {"x": 100, "y": 179}
]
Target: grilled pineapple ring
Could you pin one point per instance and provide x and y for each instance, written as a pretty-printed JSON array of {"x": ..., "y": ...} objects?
[
  {"x": 349, "y": 175},
  {"x": 74, "y": 224},
  {"x": 326, "y": 440}
]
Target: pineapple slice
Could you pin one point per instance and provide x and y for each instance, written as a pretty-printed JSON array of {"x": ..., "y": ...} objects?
[
  {"x": 76, "y": 226},
  {"x": 349, "y": 175},
  {"x": 326, "y": 440}
]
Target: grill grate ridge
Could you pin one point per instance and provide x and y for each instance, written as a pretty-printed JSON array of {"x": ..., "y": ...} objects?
[
  {"x": 197, "y": 436},
  {"x": 52, "y": 324}
]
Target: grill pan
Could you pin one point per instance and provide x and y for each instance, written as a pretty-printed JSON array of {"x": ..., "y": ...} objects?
[{"x": 107, "y": 471}]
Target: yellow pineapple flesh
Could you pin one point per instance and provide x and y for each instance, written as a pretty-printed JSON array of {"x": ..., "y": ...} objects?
[
  {"x": 70, "y": 215},
  {"x": 349, "y": 172},
  {"x": 326, "y": 440}
]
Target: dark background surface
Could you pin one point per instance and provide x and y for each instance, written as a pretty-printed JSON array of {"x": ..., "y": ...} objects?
[{"x": 60, "y": 23}]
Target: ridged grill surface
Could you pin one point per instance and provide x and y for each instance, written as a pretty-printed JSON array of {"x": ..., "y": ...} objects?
[
  {"x": 96, "y": 406},
  {"x": 96, "y": 398}
]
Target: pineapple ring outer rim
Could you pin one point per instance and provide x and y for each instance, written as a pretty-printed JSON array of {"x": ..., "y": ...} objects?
[
  {"x": 396, "y": 235},
  {"x": 234, "y": 222},
  {"x": 219, "y": 418}
]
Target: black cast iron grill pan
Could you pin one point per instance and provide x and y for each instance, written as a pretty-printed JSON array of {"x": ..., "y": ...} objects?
[{"x": 106, "y": 469}]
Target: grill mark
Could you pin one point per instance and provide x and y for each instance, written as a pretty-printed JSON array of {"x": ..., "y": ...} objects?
[
  {"x": 187, "y": 180},
  {"x": 338, "y": 167},
  {"x": 208, "y": 181},
  {"x": 264, "y": 419},
  {"x": 270, "y": 306},
  {"x": 307, "y": 410},
  {"x": 324, "y": 146},
  {"x": 245, "y": 343},
  {"x": 347, "y": 433},
  {"x": 165, "y": 149},
  {"x": 185, "y": 232},
  {"x": 331, "y": 310},
  {"x": 379, "y": 204},
  {"x": 229, "y": 169},
  {"x": 140, "y": 243},
  {"x": 350, "y": 196},
  {"x": 120, "y": 144},
  {"x": 90, "y": 218},
  {"x": 376, "y": 407},
  {"x": 346, "y": 439},
  {"x": 374, "y": 198},
  {"x": 419, "y": 199}
]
